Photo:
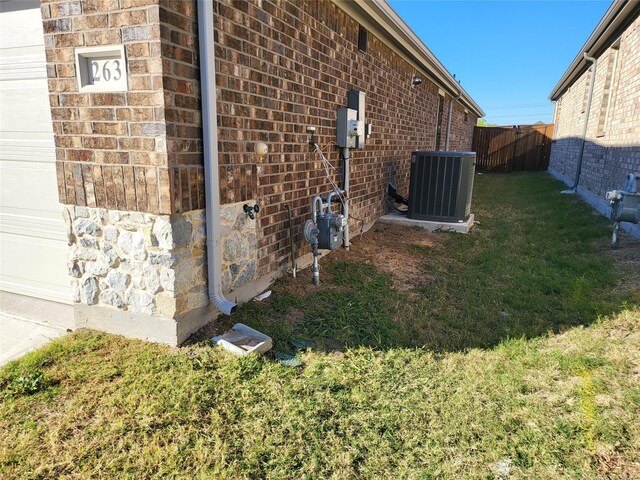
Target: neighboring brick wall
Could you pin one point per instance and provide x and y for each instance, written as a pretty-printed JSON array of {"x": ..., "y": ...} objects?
[
  {"x": 612, "y": 148},
  {"x": 282, "y": 65}
]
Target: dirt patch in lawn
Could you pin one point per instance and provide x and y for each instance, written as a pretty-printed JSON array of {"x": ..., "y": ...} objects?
[
  {"x": 613, "y": 465},
  {"x": 394, "y": 249},
  {"x": 391, "y": 249}
]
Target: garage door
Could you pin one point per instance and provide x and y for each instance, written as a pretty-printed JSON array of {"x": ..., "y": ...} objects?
[{"x": 33, "y": 245}]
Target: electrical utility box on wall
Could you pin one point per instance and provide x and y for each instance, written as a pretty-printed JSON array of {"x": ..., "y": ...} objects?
[
  {"x": 352, "y": 131},
  {"x": 441, "y": 186},
  {"x": 355, "y": 101},
  {"x": 347, "y": 128}
]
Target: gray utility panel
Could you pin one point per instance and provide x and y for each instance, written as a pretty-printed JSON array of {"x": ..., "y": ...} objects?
[{"x": 441, "y": 186}]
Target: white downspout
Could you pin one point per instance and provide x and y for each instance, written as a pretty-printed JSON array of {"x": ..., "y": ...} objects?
[
  {"x": 585, "y": 125},
  {"x": 446, "y": 142},
  {"x": 210, "y": 151}
]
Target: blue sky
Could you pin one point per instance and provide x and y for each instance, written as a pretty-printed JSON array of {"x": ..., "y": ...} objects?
[{"x": 507, "y": 54}]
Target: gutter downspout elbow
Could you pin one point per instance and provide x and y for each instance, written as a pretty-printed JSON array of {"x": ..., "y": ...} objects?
[
  {"x": 587, "y": 112},
  {"x": 210, "y": 153},
  {"x": 446, "y": 142}
]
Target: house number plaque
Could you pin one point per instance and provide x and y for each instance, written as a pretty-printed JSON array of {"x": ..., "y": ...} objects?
[{"x": 101, "y": 69}]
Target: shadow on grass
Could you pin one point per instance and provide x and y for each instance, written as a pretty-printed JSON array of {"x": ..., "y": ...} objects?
[{"x": 537, "y": 263}]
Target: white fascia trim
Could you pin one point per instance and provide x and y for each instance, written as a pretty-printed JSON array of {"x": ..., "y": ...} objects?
[{"x": 616, "y": 14}]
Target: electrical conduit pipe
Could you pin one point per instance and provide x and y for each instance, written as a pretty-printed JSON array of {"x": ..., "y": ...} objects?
[
  {"x": 210, "y": 150},
  {"x": 346, "y": 155},
  {"x": 316, "y": 207}
]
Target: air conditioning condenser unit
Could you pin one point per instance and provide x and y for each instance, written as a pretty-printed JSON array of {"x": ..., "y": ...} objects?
[{"x": 441, "y": 186}]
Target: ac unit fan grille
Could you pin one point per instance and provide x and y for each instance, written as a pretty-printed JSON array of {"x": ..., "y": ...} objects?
[
  {"x": 441, "y": 185},
  {"x": 439, "y": 177}
]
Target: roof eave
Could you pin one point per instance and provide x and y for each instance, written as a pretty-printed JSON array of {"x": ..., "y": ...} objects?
[
  {"x": 616, "y": 14},
  {"x": 398, "y": 33}
]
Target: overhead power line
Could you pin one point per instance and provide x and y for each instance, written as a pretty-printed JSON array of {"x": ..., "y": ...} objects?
[
  {"x": 526, "y": 115},
  {"x": 506, "y": 107}
]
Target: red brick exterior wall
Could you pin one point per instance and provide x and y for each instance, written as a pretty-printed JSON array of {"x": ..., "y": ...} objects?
[
  {"x": 108, "y": 145},
  {"x": 138, "y": 150},
  {"x": 462, "y": 123},
  {"x": 282, "y": 65},
  {"x": 289, "y": 64},
  {"x": 181, "y": 83}
]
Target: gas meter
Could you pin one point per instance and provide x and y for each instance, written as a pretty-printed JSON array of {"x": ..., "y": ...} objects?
[{"x": 625, "y": 205}]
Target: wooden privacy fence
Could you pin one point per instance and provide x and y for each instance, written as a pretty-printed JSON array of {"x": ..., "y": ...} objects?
[{"x": 513, "y": 149}]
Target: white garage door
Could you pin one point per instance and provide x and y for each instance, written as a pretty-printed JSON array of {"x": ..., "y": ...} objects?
[{"x": 33, "y": 246}]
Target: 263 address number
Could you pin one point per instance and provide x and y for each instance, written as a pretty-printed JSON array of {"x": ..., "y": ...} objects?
[{"x": 106, "y": 70}]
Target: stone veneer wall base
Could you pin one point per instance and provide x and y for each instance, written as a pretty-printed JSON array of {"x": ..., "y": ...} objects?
[
  {"x": 175, "y": 331},
  {"x": 599, "y": 204},
  {"x": 251, "y": 290}
]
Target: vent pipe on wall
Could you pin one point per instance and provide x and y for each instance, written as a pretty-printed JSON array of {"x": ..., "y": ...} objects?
[{"x": 210, "y": 151}]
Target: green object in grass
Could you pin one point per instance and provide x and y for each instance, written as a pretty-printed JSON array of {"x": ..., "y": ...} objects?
[
  {"x": 26, "y": 384},
  {"x": 303, "y": 343},
  {"x": 288, "y": 359}
]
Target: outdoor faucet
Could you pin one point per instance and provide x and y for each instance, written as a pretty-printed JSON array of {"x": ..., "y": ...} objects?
[{"x": 251, "y": 211}]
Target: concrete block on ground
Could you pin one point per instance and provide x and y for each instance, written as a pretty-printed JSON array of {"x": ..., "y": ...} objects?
[
  {"x": 243, "y": 340},
  {"x": 398, "y": 218}
]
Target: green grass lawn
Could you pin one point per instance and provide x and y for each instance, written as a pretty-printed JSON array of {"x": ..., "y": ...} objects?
[{"x": 515, "y": 353}]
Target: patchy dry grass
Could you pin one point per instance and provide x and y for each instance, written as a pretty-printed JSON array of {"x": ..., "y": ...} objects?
[
  {"x": 554, "y": 392},
  {"x": 538, "y": 262}
]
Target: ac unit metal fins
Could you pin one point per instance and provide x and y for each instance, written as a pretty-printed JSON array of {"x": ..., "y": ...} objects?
[{"x": 441, "y": 186}]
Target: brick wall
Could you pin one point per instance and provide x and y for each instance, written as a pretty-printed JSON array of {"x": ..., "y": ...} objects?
[
  {"x": 285, "y": 65},
  {"x": 110, "y": 147},
  {"x": 281, "y": 66},
  {"x": 180, "y": 75},
  {"x": 612, "y": 148},
  {"x": 462, "y": 123}
]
